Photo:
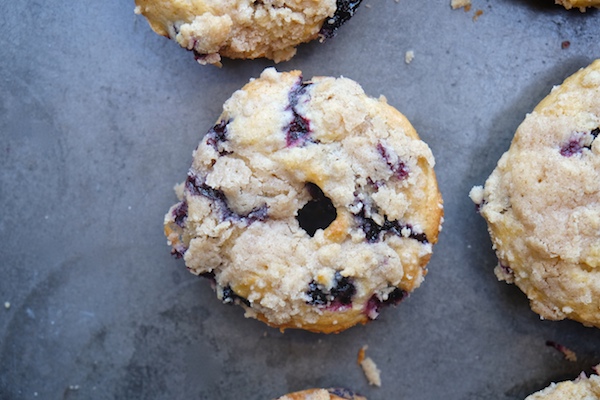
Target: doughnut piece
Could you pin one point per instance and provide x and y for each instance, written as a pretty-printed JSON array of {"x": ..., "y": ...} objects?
[
  {"x": 323, "y": 394},
  {"x": 245, "y": 28},
  {"x": 542, "y": 203},
  {"x": 582, "y": 388},
  {"x": 308, "y": 203},
  {"x": 581, "y": 4}
]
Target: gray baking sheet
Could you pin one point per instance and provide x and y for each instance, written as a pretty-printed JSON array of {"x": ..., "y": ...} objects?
[{"x": 98, "y": 120}]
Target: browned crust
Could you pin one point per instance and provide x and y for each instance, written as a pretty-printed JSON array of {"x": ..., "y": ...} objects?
[{"x": 304, "y": 394}]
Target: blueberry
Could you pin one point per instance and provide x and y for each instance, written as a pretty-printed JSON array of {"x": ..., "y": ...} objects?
[
  {"x": 370, "y": 228},
  {"x": 298, "y": 131},
  {"x": 374, "y": 231},
  {"x": 216, "y": 135},
  {"x": 318, "y": 297},
  {"x": 345, "y": 9},
  {"x": 343, "y": 289},
  {"x": 230, "y": 297},
  {"x": 318, "y": 213},
  {"x": 374, "y": 305},
  {"x": 399, "y": 169},
  {"x": 208, "y": 275},
  {"x": 339, "y": 295}
]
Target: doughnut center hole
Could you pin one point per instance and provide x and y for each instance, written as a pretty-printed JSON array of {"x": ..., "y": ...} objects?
[{"x": 318, "y": 213}]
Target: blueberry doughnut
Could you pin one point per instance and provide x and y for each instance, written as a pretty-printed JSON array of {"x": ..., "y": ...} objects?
[
  {"x": 308, "y": 203},
  {"x": 582, "y": 388},
  {"x": 245, "y": 28},
  {"x": 323, "y": 394},
  {"x": 581, "y": 4},
  {"x": 542, "y": 203}
]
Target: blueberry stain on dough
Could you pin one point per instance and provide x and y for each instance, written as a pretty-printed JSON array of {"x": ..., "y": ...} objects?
[
  {"x": 298, "y": 131},
  {"x": 375, "y": 304},
  {"x": 571, "y": 148},
  {"x": 217, "y": 135},
  {"x": 338, "y": 296},
  {"x": 399, "y": 169},
  {"x": 197, "y": 187},
  {"x": 178, "y": 250},
  {"x": 506, "y": 269},
  {"x": 575, "y": 145},
  {"x": 318, "y": 213},
  {"x": 180, "y": 214},
  {"x": 345, "y": 9},
  {"x": 343, "y": 393},
  {"x": 374, "y": 231}
]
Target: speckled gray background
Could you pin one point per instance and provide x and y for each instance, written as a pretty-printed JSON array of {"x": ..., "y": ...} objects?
[{"x": 98, "y": 120}]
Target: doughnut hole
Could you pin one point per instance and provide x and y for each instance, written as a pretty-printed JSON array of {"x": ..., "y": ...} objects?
[{"x": 318, "y": 213}]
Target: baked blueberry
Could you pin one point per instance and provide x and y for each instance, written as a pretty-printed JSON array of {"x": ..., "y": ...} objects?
[{"x": 345, "y": 9}]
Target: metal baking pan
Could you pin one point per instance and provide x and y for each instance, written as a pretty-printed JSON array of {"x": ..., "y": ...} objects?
[{"x": 98, "y": 120}]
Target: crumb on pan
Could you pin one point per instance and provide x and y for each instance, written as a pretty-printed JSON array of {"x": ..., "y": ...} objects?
[
  {"x": 568, "y": 353},
  {"x": 371, "y": 371},
  {"x": 361, "y": 354},
  {"x": 477, "y": 14},
  {"x": 409, "y": 56},
  {"x": 7, "y": 305},
  {"x": 369, "y": 367},
  {"x": 466, "y": 4}
]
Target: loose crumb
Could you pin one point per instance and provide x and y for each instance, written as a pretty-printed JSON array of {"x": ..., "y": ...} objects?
[
  {"x": 369, "y": 367},
  {"x": 371, "y": 371},
  {"x": 565, "y": 45},
  {"x": 568, "y": 353},
  {"x": 477, "y": 14},
  {"x": 460, "y": 4},
  {"x": 137, "y": 10},
  {"x": 476, "y": 195},
  {"x": 409, "y": 56},
  {"x": 361, "y": 354},
  {"x": 6, "y": 305}
]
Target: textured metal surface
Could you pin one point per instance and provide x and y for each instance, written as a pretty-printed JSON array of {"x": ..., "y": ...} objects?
[{"x": 98, "y": 120}]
